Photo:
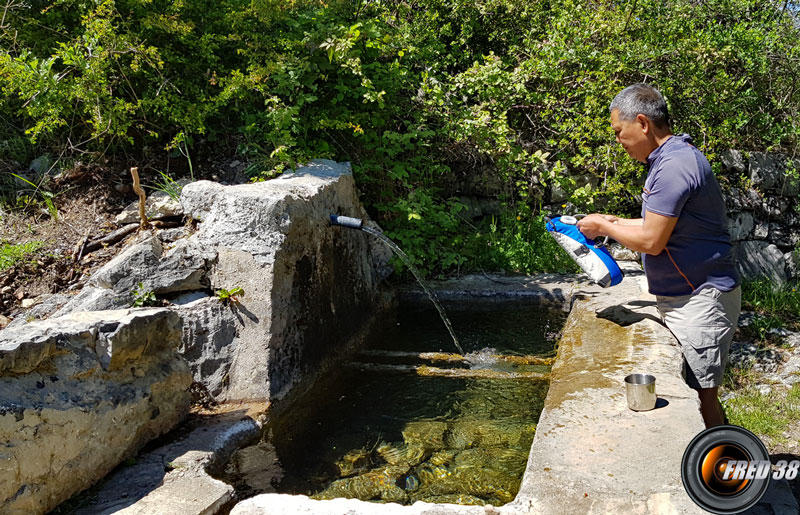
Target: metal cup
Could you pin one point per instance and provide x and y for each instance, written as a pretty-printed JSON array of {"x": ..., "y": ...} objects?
[{"x": 641, "y": 392}]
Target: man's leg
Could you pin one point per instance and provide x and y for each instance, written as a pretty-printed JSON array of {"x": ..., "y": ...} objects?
[
  {"x": 710, "y": 407},
  {"x": 704, "y": 325}
]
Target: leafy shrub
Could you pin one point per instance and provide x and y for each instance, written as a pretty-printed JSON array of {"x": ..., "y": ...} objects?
[
  {"x": 414, "y": 95},
  {"x": 522, "y": 244}
]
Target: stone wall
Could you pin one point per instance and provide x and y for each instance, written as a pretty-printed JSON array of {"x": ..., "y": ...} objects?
[
  {"x": 81, "y": 393},
  {"x": 765, "y": 217}
]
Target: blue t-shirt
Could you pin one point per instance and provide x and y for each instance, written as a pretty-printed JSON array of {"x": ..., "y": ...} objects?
[{"x": 698, "y": 254}]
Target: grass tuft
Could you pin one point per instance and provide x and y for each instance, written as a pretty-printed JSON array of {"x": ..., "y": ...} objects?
[
  {"x": 168, "y": 185},
  {"x": 12, "y": 254},
  {"x": 767, "y": 415}
]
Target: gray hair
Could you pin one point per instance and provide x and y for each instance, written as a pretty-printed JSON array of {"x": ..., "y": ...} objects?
[{"x": 643, "y": 99}]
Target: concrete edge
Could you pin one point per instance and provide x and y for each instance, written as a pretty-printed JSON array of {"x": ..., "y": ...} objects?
[{"x": 591, "y": 454}]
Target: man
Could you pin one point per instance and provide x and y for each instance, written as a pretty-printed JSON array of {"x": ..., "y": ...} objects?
[{"x": 683, "y": 237}]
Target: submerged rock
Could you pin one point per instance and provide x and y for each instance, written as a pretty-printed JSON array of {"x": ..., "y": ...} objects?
[
  {"x": 353, "y": 462},
  {"x": 425, "y": 433},
  {"x": 258, "y": 466},
  {"x": 380, "y": 483}
]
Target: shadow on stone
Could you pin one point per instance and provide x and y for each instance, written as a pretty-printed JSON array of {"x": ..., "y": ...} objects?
[
  {"x": 583, "y": 295},
  {"x": 238, "y": 307},
  {"x": 633, "y": 272},
  {"x": 794, "y": 485},
  {"x": 661, "y": 403},
  {"x": 624, "y": 316}
]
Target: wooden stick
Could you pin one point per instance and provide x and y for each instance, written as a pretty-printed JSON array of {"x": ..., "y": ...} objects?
[
  {"x": 110, "y": 238},
  {"x": 142, "y": 197},
  {"x": 168, "y": 224},
  {"x": 80, "y": 248}
]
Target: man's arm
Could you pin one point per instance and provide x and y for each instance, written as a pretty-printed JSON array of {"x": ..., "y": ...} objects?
[
  {"x": 650, "y": 236},
  {"x": 623, "y": 221}
]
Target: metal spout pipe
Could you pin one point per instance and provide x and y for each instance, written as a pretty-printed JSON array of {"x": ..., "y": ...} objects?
[{"x": 347, "y": 221}]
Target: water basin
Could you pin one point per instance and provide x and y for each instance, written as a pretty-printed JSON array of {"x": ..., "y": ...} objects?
[{"x": 407, "y": 419}]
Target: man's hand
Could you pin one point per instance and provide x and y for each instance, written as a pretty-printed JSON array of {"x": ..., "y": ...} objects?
[
  {"x": 648, "y": 235},
  {"x": 595, "y": 224}
]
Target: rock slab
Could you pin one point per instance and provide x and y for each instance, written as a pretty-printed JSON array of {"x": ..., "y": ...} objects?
[
  {"x": 172, "y": 479},
  {"x": 307, "y": 286},
  {"x": 80, "y": 394}
]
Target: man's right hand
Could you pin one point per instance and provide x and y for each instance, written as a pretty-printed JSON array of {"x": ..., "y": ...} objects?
[{"x": 592, "y": 226}]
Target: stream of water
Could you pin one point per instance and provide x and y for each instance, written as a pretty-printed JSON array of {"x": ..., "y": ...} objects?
[{"x": 431, "y": 295}]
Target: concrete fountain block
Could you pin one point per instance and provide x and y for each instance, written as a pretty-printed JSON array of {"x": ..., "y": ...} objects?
[{"x": 307, "y": 286}]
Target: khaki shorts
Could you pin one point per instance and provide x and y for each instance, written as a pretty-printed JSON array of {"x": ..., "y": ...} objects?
[{"x": 704, "y": 324}]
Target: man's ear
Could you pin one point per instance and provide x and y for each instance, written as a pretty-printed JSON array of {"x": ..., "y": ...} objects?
[{"x": 644, "y": 123}]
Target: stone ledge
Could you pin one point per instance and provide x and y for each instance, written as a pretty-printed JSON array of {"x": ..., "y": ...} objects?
[
  {"x": 591, "y": 454},
  {"x": 172, "y": 479},
  {"x": 109, "y": 334}
]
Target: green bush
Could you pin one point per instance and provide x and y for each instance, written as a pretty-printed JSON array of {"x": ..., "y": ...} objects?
[
  {"x": 774, "y": 305},
  {"x": 414, "y": 95}
]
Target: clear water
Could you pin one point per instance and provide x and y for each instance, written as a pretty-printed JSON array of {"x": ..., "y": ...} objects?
[{"x": 401, "y": 437}]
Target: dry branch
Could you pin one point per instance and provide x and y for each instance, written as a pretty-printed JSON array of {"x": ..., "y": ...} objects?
[
  {"x": 142, "y": 198},
  {"x": 108, "y": 239}
]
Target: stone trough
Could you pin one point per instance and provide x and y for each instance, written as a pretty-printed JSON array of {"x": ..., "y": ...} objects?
[{"x": 86, "y": 389}]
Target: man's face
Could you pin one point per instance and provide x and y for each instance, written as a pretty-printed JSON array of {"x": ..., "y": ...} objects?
[{"x": 632, "y": 135}]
